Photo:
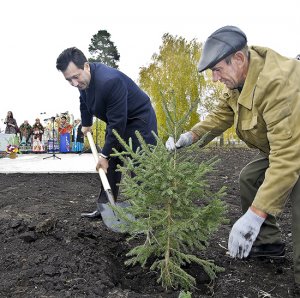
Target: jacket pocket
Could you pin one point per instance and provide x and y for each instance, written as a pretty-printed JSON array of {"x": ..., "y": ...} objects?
[
  {"x": 278, "y": 123},
  {"x": 254, "y": 132},
  {"x": 249, "y": 124},
  {"x": 253, "y": 126},
  {"x": 278, "y": 114}
]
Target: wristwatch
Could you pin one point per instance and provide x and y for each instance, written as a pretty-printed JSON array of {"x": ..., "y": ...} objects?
[{"x": 104, "y": 156}]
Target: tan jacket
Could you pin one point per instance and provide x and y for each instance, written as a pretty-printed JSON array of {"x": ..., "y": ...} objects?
[{"x": 266, "y": 116}]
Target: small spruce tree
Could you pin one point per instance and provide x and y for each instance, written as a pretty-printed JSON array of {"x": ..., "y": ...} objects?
[{"x": 162, "y": 192}]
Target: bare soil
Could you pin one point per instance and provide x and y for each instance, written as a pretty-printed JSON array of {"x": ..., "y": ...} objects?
[{"x": 48, "y": 250}]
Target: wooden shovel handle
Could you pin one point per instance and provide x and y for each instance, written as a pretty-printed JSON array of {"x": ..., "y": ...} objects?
[{"x": 102, "y": 174}]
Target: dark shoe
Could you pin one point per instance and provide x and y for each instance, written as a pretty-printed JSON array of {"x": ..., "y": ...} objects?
[
  {"x": 276, "y": 250},
  {"x": 94, "y": 214}
]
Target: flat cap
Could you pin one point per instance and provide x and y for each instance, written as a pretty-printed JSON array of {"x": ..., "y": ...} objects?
[{"x": 220, "y": 44}]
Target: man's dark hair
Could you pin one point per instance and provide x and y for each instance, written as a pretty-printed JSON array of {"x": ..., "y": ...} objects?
[{"x": 70, "y": 55}]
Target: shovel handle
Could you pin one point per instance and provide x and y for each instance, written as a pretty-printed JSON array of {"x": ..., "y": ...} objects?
[{"x": 102, "y": 174}]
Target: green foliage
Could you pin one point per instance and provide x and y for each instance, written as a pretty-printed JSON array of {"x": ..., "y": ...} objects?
[
  {"x": 163, "y": 192},
  {"x": 183, "y": 294},
  {"x": 230, "y": 135},
  {"x": 103, "y": 49},
  {"x": 212, "y": 92},
  {"x": 174, "y": 126},
  {"x": 99, "y": 128},
  {"x": 98, "y": 132},
  {"x": 174, "y": 70}
]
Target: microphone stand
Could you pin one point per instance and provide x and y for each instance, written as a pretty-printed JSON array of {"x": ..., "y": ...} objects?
[{"x": 53, "y": 151}]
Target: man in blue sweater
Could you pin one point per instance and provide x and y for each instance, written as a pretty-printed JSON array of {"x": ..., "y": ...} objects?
[{"x": 113, "y": 97}]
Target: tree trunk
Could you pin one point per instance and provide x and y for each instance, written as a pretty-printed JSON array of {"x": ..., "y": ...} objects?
[{"x": 222, "y": 140}]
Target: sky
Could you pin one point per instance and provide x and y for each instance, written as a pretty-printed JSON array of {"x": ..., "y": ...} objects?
[{"x": 35, "y": 32}]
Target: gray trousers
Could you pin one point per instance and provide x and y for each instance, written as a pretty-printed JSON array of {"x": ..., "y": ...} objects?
[{"x": 251, "y": 177}]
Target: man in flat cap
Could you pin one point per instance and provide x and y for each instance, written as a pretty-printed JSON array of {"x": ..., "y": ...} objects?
[{"x": 262, "y": 101}]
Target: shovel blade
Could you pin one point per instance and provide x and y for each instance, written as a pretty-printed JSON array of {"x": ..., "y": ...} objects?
[{"x": 109, "y": 217}]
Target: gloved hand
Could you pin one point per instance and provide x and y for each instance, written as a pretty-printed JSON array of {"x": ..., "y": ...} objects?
[
  {"x": 243, "y": 234},
  {"x": 170, "y": 144},
  {"x": 185, "y": 139}
]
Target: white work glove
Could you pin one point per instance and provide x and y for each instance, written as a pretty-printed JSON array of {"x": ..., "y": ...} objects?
[
  {"x": 184, "y": 140},
  {"x": 170, "y": 144},
  {"x": 243, "y": 234}
]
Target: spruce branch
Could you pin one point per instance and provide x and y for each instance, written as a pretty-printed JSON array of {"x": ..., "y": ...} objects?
[{"x": 176, "y": 212}]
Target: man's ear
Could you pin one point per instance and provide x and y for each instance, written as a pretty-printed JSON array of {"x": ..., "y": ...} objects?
[
  {"x": 86, "y": 66},
  {"x": 240, "y": 57}
]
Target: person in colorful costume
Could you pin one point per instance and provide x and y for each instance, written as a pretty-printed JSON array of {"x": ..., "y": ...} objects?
[{"x": 64, "y": 130}]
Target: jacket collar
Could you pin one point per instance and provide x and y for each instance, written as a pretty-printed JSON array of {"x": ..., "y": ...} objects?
[
  {"x": 91, "y": 89},
  {"x": 255, "y": 67}
]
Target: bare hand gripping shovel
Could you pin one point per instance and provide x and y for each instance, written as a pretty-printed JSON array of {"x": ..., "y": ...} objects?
[{"x": 108, "y": 215}]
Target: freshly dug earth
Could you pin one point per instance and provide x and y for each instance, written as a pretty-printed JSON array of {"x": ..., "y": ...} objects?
[{"x": 47, "y": 250}]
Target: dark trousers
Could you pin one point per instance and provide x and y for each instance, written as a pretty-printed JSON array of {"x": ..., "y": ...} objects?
[
  {"x": 145, "y": 127},
  {"x": 114, "y": 178},
  {"x": 251, "y": 178}
]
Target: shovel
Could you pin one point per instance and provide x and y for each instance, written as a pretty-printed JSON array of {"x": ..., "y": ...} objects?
[{"x": 108, "y": 215}]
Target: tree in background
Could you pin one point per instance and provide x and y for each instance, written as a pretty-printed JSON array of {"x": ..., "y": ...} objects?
[
  {"x": 174, "y": 71},
  {"x": 103, "y": 50},
  {"x": 213, "y": 91},
  {"x": 98, "y": 131}
]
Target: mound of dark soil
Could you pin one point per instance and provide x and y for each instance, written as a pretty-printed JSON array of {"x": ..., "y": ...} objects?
[{"x": 47, "y": 250}]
